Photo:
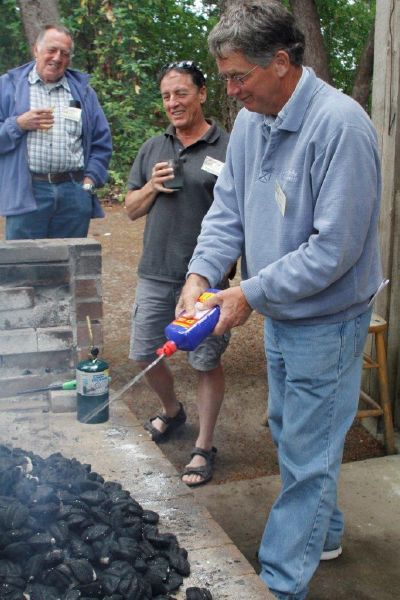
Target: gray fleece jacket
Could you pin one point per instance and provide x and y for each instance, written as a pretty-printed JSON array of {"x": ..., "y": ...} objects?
[{"x": 299, "y": 201}]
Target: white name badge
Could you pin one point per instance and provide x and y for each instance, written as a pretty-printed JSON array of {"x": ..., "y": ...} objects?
[
  {"x": 72, "y": 113},
  {"x": 280, "y": 198},
  {"x": 212, "y": 165}
]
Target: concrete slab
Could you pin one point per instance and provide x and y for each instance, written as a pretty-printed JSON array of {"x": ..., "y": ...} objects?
[
  {"x": 120, "y": 450},
  {"x": 369, "y": 495}
]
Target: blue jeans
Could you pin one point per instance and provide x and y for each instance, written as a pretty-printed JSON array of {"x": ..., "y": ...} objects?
[
  {"x": 63, "y": 210},
  {"x": 314, "y": 376}
]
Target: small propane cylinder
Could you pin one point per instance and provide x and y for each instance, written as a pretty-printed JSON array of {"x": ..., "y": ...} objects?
[{"x": 92, "y": 389}]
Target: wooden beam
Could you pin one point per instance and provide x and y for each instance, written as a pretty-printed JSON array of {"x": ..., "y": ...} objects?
[{"x": 386, "y": 115}]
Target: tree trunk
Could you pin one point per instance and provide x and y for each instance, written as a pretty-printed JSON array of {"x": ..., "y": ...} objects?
[
  {"x": 363, "y": 80},
  {"x": 37, "y": 13},
  {"x": 307, "y": 19}
]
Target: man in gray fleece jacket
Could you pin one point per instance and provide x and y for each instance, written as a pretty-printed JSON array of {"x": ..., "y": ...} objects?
[{"x": 298, "y": 199}]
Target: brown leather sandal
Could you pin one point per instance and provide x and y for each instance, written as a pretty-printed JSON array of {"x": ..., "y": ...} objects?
[
  {"x": 206, "y": 471},
  {"x": 171, "y": 422}
]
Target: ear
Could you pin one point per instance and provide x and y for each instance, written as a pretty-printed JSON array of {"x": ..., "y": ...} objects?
[
  {"x": 35, "y": 51},
  {"x": 203, "y": 94},
  {"x": 282, "y": 63}
]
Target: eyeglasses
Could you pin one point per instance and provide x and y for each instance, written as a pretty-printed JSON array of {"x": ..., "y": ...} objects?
[{"x": 237, "y": 79}]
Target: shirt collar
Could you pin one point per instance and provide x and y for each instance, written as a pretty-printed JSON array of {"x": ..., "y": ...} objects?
[
  {"x": 277, "y": 120},
  {"x": 34, "y": 77},
  {"x": 210, "y": 136}
]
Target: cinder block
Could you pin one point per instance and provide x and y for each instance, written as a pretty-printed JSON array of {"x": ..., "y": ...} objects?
[
  {"x": 48, "y": 314},
  {"x": 18, "y": 341},
  {"x": 34, "y": 274},
  {"x": 62, "y": 401},
  {"x": 10, "y": 386},
  {"x": 88, "y": 264},
  {"x": 30, "y": 361},
  {"x": 92, "y": 309},
  {"x": 33, "y": 251},
  {"x": 14, "y": 298},
  {"x": 54, "y": 338},
  {"x": 88, "y": 288},
  {"x": 83, "y": 339},
  {"x": 85, "y": 246}
]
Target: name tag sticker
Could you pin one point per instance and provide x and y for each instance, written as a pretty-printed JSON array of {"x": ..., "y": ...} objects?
[
  {"x": 280, "y": 198},
  {"x": 212, "y": 165},
  {"x": 72, "y": 113}
]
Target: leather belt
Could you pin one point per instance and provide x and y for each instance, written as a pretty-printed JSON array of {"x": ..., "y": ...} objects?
[{"x": 59, "y": 177}]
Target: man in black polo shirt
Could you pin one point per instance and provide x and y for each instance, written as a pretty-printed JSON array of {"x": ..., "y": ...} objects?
[{"x": 175, "y": 210}]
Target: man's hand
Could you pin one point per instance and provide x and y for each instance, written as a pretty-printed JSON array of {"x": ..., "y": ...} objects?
[
  {"x": 193, "y": 288},
  {"x": 235, "y": 310},
  {"x": 138, "y": 202},
  {"x": 36, "y": 118},
  {"x": 161, "y": 172}
]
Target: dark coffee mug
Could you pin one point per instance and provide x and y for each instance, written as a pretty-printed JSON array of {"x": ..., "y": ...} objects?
[{"x": 177, "y": 182}]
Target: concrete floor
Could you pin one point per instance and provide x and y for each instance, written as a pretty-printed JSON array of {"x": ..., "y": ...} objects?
[{"x": 369, "y": 495}]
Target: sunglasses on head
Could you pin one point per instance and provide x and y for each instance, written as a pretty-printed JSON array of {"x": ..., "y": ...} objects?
[{"x": 187, "y": 65}]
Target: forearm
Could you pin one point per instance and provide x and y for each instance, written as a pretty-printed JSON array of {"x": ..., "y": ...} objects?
[{"x": 138, "y": 202}]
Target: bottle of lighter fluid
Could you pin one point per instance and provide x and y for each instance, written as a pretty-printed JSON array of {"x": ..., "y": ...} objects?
[{"x": 186, "y": 333}]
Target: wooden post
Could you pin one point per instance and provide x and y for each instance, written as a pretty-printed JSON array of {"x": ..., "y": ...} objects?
[{"x": 386, "y": 115}]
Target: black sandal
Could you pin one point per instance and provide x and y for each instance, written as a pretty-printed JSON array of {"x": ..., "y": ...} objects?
[
  {"x": 206, "y": 471},
  {"x": 172, "y": 423}
]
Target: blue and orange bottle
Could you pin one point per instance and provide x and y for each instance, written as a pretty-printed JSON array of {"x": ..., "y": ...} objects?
[{"x": 186, "y": 333}]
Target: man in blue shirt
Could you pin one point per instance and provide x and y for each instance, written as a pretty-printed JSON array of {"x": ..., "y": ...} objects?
[
  {"x": 299, "y": 199},
  {"x": 55, "y": 144}
]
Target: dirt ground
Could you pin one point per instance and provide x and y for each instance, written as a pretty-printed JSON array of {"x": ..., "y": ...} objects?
[{"x": 245, "y": 449}]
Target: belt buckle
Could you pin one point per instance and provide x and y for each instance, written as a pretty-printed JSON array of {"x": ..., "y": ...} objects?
[{"x": 49, "y": 178}]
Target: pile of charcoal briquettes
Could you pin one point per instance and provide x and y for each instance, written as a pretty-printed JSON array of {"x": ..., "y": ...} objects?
[{"x": 67, "y": 534}]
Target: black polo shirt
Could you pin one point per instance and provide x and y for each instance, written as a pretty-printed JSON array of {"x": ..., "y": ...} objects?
[{"x": 174, "y": 220}]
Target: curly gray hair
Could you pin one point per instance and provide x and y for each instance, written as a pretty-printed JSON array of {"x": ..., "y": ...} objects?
[{"x": 257, "y": 29}]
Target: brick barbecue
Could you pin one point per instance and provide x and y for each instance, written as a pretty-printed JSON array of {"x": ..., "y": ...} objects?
[{"x": 47, "y": 288}]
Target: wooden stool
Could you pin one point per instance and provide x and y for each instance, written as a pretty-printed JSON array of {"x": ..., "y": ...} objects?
[{"x": 377, "y": 328}]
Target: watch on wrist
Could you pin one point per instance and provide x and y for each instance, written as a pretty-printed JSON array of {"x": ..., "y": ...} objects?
[{"x": 89, "y": 187}]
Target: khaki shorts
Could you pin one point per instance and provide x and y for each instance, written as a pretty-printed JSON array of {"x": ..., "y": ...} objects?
[{"x": 153, "y": 310}]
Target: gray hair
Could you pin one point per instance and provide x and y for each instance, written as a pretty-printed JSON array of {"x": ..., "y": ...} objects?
[
  {"x": 257, "y": 29},
  {"x": 59, "y": 28}
]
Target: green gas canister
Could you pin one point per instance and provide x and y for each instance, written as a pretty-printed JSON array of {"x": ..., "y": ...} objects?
[{"x": 92, "y": 389}]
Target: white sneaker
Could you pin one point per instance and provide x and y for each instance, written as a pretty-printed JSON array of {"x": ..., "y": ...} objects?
[{"x": 331, "y": 554}]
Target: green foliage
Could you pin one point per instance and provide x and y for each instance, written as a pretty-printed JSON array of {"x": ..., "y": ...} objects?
[
  {"x": 12, "y": 37},
  {"x": 345, "y": 27},
  {"x": 124, "y": 43}
]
